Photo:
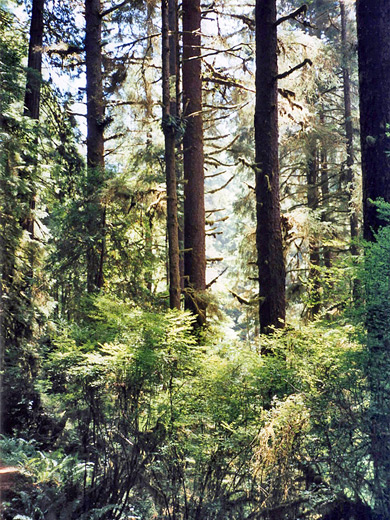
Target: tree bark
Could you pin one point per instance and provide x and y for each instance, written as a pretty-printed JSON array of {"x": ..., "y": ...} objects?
[
  {"x": 268, "y": 234},
  {"x": 95, "y": 145},
  {"x": 169, "y": 124},
  {"x": 373, "y": 24},
  {"x": 194, "y": 209},
  {"x": 314, "y": 250},
  {"x": 32, "y": 99},
  {"x": 325, "y": 192},
  {"x": 353, "y": 219}
]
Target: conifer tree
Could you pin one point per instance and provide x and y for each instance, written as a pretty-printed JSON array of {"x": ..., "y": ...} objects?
[
  {"x": 268, "y": 234},
  {"x": 170, "y": 123},
  {"x": 374, "y": 81},
  {"x": 32, "y": 99},
  {"x": 95, "y": 144},
  {"x": 194, "y": 209},
  {"x": 353, "y": 219}
]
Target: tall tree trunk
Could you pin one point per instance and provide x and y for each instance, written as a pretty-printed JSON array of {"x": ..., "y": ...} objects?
[
  {"x": 325, "y": 194},
  {"x": 194, "y": 209},
  {"x": 169, "y": 127},
  {"x": 268, "y": 234},
  {"x": 314, "y": 250},
  {"x": 95, "y": 145},
  {"x": 353, "y": 219},
  {"x": 175, "y": 65},
  {"x": 32, "y": 99},
  {"x": 373, "y": 24},
  {"x": 374, "y": 79}
]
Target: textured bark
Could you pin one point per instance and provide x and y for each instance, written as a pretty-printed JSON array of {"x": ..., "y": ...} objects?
[
  {"x": 353, "y": 219},
  {"x": 95, "y": 144},
  {"x": 325, "y": 196},
  {"x": 194, "y": 209},
  {"x": 314, "y": 250},
  {"x": 176, "y": 109},
  {"x": 34, "y": 66},
  {"x": 32, "y": 99},
  {"x": 169, "y": 127},
  {"x": 268, "y": 233},
  {"x": 373, "y": 22}
]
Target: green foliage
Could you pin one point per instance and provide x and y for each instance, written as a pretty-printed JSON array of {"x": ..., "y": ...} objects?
[
  {"x": 47, "y": 483},
  {"x": 376, "y": 279},
  {"x": 211, "y": 430}
]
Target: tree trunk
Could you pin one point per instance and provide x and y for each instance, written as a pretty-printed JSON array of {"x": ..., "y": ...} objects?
[
  {"x": 268, "y": 234},
  {"x": 325, "y": 195},
  {"x": 353, "y": 219},
  {"x": 32, "y": 99},
  {"x": 194, "y": 209},
  {"x": 95, "y": 145},
  {"x": 169, "y": 126},
  {"x": 373, "y": 23},
  {"x": 314, "y": 250},
  {"x": 176, "y": 108}
]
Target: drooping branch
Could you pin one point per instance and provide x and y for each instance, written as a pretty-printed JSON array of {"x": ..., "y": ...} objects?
[{"x": 283, "y": 75}]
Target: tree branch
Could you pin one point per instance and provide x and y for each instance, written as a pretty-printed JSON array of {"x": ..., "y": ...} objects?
[
  {"x": 297, "y": 67},
  {"x": 216, "y": 278},
  {"x": 292, "y": 16},
  {"x": 113, "y": 8},
  {"x": 221, "y": 187},
  {"x": 240, "y": 298}
]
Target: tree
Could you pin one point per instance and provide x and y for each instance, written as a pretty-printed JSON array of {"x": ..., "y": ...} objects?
[
  {"x": 374, "y": 83},
  {"x": 353, "y": 219},
  {"x": 170, "y": 127},
  {"x": 95, "y": 144},
  {"x": 312, "y": 204},
  {"x": 194, "y": 208},
  {"x": 32, "y": 99},
  {"x": 268, "y": 234}
]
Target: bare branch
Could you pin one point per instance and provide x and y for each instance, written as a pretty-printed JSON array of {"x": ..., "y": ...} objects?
[
  {"x": 240, "y": 298},
  {"x": 214, "y": 175},
  {"x": 297, "y": 67},
  {"x": 250, "y": 22},
  {"x": 115, "y": 136},
  {"x": 113, "y": 8},
  {"x": 222, "y": 187},
  {"x": 293, "y": 16},
  {"x": 214, "y": 210},
  {"x": 216, "y": 278}
]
